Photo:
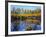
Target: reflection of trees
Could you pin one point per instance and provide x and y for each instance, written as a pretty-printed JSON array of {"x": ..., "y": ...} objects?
[
  {"x": 22, "y": 18},
  {"x": 28, "y": 28},
  {"x": 33, "y": 19}
]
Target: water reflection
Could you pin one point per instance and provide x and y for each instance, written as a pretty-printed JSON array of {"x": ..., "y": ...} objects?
[{"x": 25, "y": 24}]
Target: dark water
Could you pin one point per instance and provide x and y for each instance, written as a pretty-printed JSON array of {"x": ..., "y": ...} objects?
[{"x": 22, "y": 26}]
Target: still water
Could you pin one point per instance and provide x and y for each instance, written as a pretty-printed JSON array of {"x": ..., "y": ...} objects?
[{"x": 23, "y": 25}]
